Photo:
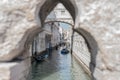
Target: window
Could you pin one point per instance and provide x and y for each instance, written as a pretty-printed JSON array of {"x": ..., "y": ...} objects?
[{"x": 62, "y": 12}]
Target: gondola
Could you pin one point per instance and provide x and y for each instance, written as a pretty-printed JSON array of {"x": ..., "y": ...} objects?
[
  {"x": 40, "y": 57},
  {"x": 64, "y": 51}
]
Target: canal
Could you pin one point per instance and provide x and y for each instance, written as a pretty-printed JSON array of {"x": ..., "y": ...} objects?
[{"x": 58, "y": 67}]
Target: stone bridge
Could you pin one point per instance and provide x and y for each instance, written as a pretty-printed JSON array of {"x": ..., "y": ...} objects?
[{"x": 97, "y": 21}]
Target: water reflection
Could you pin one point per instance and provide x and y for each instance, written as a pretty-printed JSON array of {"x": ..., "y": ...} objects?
[{"x": 58, "y": 67}]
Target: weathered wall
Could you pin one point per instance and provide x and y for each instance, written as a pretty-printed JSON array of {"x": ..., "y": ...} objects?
[
  {"x": 15, "y": 70},
  {"x": 80, "y": 49},
  {"x": 81, "y": 52},
  {"x": 102, "y": 20},
  {"x": 97, "y": 17},
  {"x": 17, "y": 20}
]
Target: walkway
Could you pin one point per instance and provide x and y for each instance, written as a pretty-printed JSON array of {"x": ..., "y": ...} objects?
[{"x": 58, "y": 67}]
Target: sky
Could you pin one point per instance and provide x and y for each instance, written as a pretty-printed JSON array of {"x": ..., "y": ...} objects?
[{"x": 65, "y": 26}]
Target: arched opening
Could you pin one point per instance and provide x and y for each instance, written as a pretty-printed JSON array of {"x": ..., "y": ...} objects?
[
  {"x": 43, "y": 13},
  {"x": 45, "y": 10},
  {"x": 92, "y": 47}
]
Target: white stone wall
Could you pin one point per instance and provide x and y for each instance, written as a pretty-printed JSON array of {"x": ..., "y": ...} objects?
[
  {"x": 15, "y": 70},
  {"x": 62, "y": 14},
  {"x": 19, "y": 20},
  {"x": 102, "y": 20},
  {"x": 55, "y": 39},
  {"x": 80, "y": 49},
  {"x": 41, "y": 43},
  {"x": 47, "y": 28},
  {"x": 38, "y": 43}
]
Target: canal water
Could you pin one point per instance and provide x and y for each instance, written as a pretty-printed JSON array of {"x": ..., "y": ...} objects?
[{"x": 58, "y": 67}]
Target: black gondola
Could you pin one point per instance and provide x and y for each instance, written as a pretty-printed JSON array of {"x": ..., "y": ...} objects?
[
  {"x": 64, "y": 51},
  {"x": 41, "y": 57}
]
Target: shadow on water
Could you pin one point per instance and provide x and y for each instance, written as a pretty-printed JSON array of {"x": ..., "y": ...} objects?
[
  {"x": 39, "y": 70},
  {"x": 43, "y": 69}
]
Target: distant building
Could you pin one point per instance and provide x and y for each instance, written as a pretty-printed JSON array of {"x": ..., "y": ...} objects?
[
  {"x": 62, "y": 14},
  {"x": 51, "y": 35}
]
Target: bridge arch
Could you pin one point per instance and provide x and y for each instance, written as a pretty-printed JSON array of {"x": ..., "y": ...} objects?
[
  {"x": 45, "y": 10},
  {"x": 42, "y": 11},
  {"x": 60, "y": 21},
  {"x": 92, "y": 47}
]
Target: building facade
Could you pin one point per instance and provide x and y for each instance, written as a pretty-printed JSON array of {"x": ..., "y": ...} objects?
[{"x": 49, "y": 37}]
